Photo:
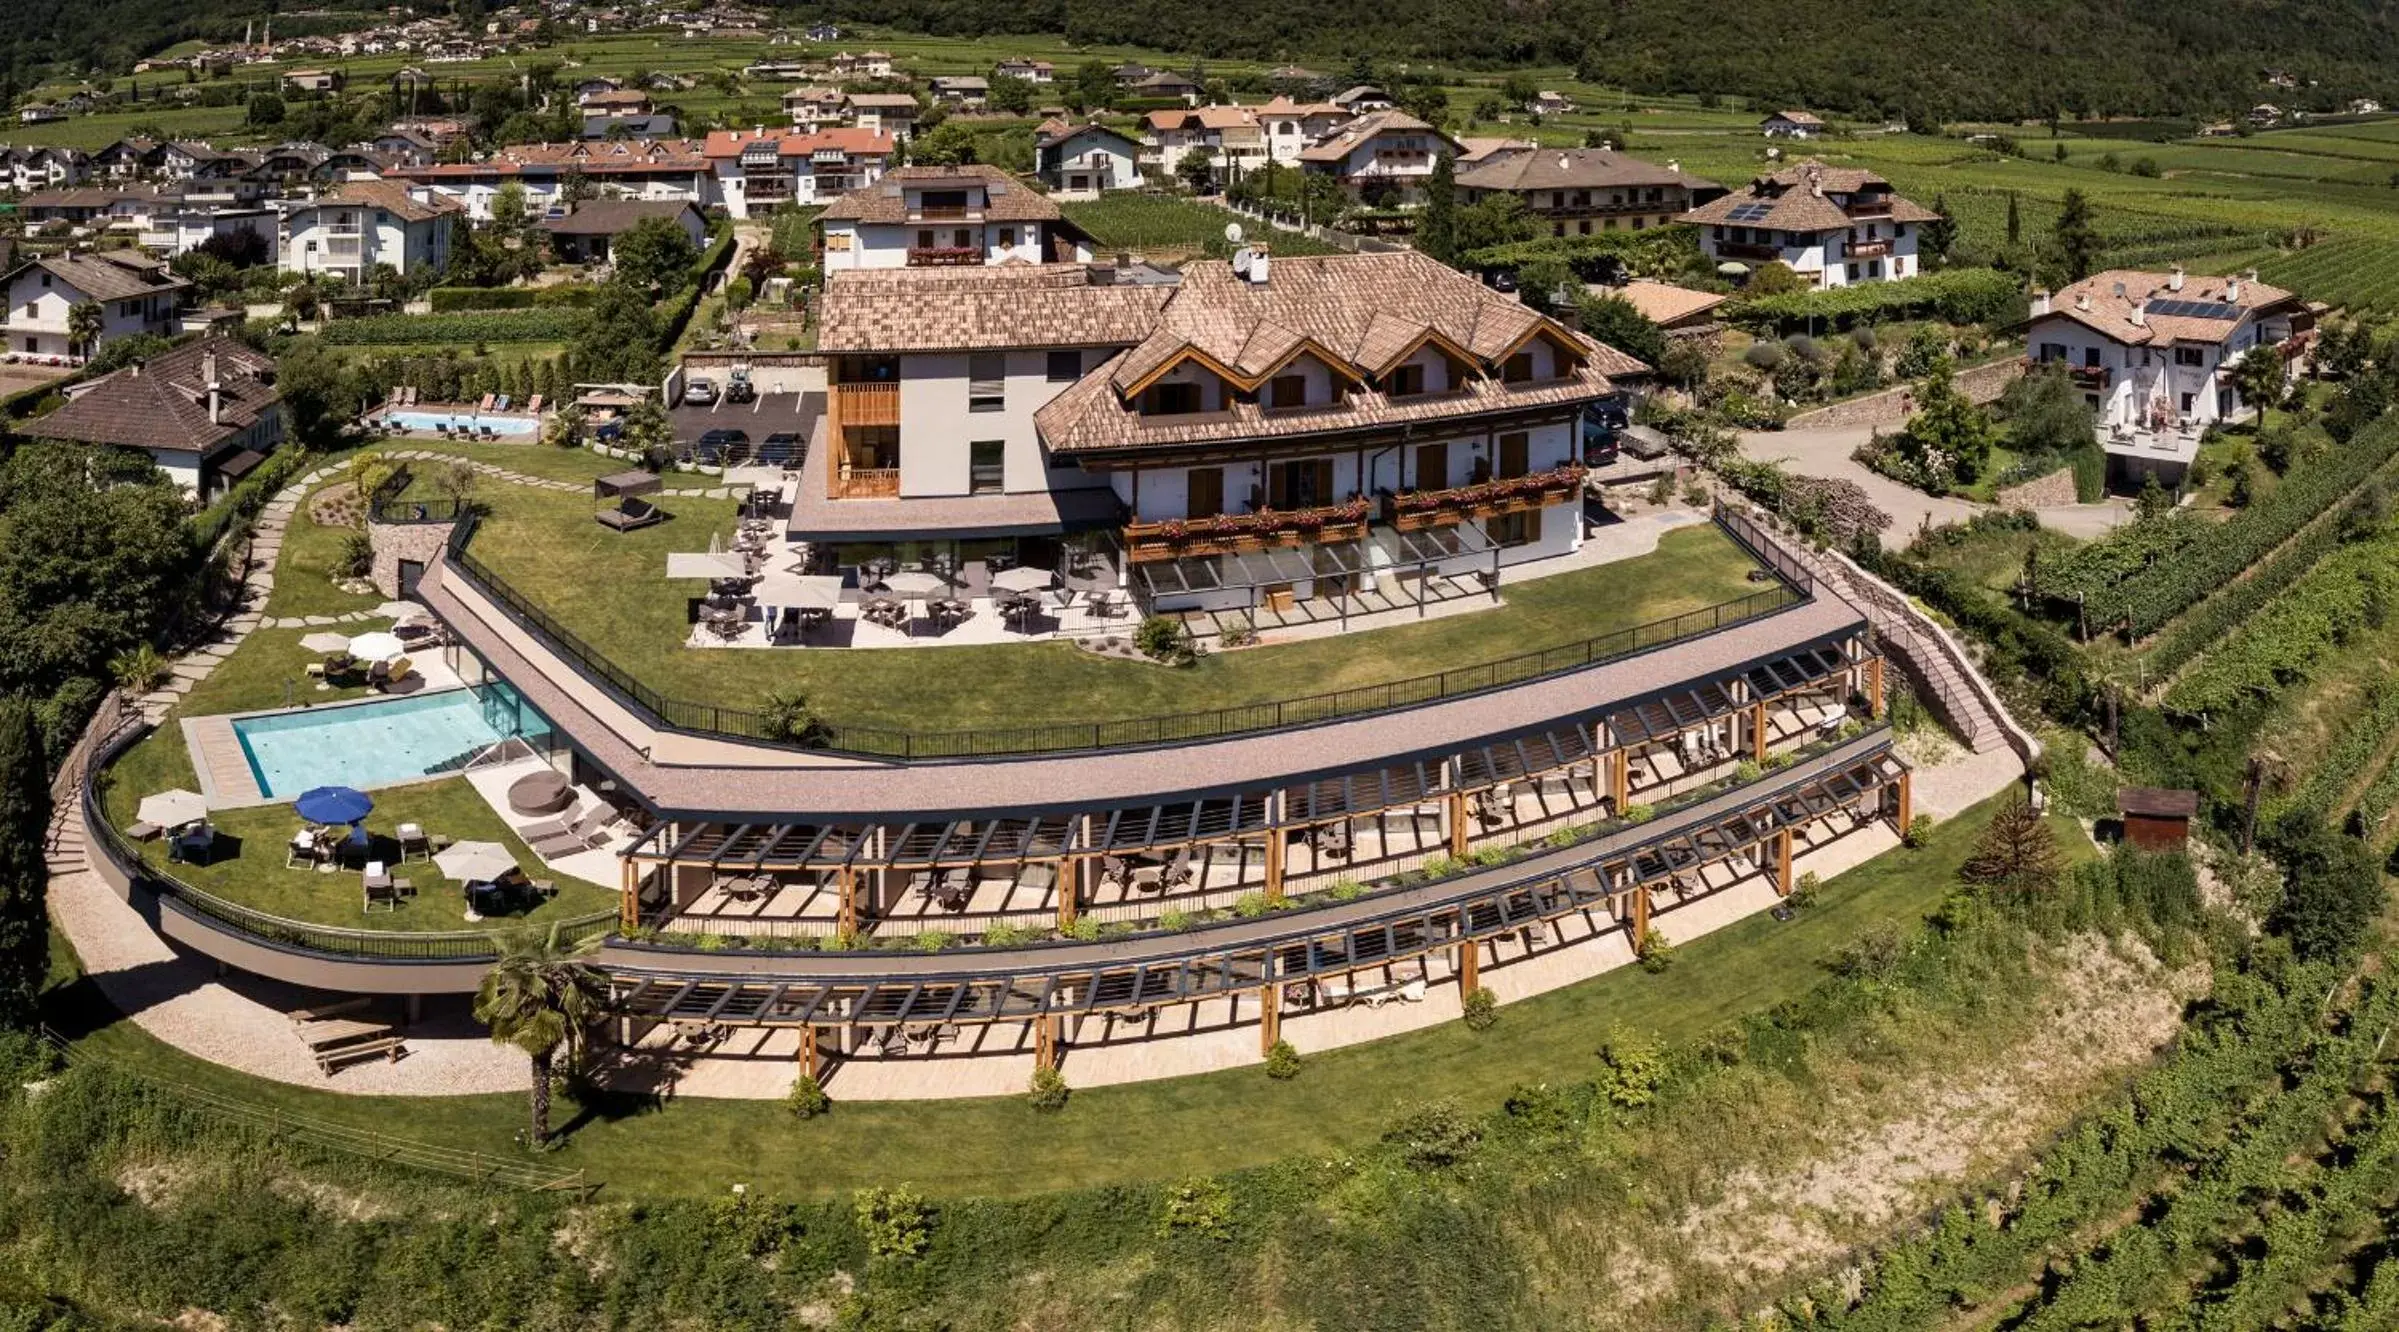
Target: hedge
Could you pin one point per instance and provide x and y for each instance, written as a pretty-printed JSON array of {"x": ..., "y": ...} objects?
[
  {"x": 246, "y": 498},
  {"x": 448, "y": 300},
  {"x": 1958, "y": 296},
  {"x": 553, "y": 324},
  {"x": 688, "y": 300},
  {"x": 1577, "y": 252}
]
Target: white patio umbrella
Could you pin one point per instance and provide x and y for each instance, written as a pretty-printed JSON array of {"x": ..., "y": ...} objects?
[
  {"x": 915, "y": 583},
  {"x": 1023, "y": 578},
  {"x": 172, "y": 809},
  {"x": 710, "y": 565},
  {"x": 475, "y": 862},
  {"x": 399, "y": 611},
  {"x": 325, "y": 640},
  {"x": 380, "y": 645},
  {"x": 799, "y": 591}
]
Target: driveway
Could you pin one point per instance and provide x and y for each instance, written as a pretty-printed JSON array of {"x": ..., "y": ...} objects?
[
  {"x": 1825, "y": 453},
  {"x": 770, "y": 414}
]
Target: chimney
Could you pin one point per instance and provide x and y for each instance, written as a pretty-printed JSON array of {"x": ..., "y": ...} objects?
[
  {"x": 1674, "y": 166},
  {"x": 2249, "y": 275},
  {"x": 1257, "y": 265},
  {"x": 2232, "y": 290},
  {"x": 208, "y": 378},
  {"x": 2040, "y": 301},
  {"x": 2082, "y": 301},
  {"x": 2136, "y": 318},
  {"x": 2174, "y": 283},
  {"x": 2119, "y": 291}
]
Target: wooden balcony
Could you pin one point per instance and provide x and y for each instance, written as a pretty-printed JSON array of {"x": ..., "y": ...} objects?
[
  {"x": 2083, "y": 376},
  {"x": 867, "y": 483},
  {"x": 867, "y": 404},
  {"x": 944, "y": 256},
  {"x": 1747, "y": 250},
  {"x": 1420, "y": 509},
  {"x": 1236, "y": 533},
  {"x": 1869, "y": 249}
]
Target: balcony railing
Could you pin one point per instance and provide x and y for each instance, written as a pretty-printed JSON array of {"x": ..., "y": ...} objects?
[
  {"x": 867, "y": 483},
  {"x": 2084, "y": 376},
  {"x": 1869, "y": 208},
  {"x": 944, "y": 256},
  {"x": 1869, "y": 249},
  {"x": 1418, "y": 509},
  {"x": 945, "y": 213},
  {"x": 868, "y": 404},
  {"x": 1747, "y": 250},
  {"x": 1235, "y": 533}
]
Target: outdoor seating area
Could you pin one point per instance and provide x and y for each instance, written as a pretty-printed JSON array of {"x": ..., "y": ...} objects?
[
  {"x": 762, "y": 598},
  {"x": 621, "y": 507}
]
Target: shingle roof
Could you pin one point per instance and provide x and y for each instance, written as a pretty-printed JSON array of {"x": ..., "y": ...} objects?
[
  {"x": 389, "y": 196},
  {"x": 960, "y": 309},
  {"x": 1799, "y": 198},
  {"x": 848, "y": 139},
  {"x": 1202, "y": 117},
  {"x": 1571, "y": 169},
  {"x": 610, "y": 217},
  {"x": 163, "y": 403},
  {"x": 116, "y": 275},
  {"x": 883, "y": 101},
  {"x": 2164, "y": 314},
  {"x": 1342, "y": 141},
  {"x": 1663, "y": 303},
  {"x": 1796, "y": 117},
  {"x": 1360, "y": 313},
  {"x": 1006, "y": 199},
  {"x": 623, "y": 156}
]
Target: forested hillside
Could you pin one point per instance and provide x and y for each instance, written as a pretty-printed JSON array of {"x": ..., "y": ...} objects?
[{"x": 1937, "y": 58}]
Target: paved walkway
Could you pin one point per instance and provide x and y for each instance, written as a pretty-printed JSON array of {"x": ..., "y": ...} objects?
[{"x": 1825, "y": 453}]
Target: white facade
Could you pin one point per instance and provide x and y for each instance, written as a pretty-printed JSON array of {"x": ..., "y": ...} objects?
[
  {"x": 179, "y": 233},
  {"x": 2139, "y": 387},
  {"x": 1089, "y": 161},
  {"x": 349, "y": 240},
  {"x": 39, "y": 302},
  {"x": 1290, "y": 127},
  {"x": 1862, "y": 252},
  {"x": 850, "y": 244},
  {"x": 946, "y": 410}
]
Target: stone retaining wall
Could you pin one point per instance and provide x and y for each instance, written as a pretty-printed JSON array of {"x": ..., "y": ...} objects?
[
  {"x": 394, "y": 542},
  {"x": 1893, "y": 406},
  {"x": 2042, "y": 492}
]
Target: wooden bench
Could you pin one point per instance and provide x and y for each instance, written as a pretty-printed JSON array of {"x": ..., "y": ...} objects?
[
  {"x": 330, "y": 1032},
  {"x": 390, "y": 1047},
  {"x": 319, "y": 1012}
]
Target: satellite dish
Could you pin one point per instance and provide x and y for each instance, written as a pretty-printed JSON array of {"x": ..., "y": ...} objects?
[
  {"x": 1232, "y": 233},
  {"x": 1241, "y": 257}
]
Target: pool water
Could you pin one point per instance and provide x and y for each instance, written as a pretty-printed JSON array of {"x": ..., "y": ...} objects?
[
  {"x": 499, "y": 425},
  {"x": 382, "y": 743}
]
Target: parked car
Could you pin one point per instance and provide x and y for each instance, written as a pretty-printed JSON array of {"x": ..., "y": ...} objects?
[
  {"x": 782, "y": 447},
  {"x": 1602, "y": 423},
  {"x": 699, "y": 392},
  {"x": 739, "y": 389},
  {"x": 719, "y": 445}
]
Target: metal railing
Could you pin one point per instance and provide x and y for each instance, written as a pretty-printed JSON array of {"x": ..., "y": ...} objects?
[
  {"x": 330, "y": 941},
  {"x": 1793, "y": 585}
]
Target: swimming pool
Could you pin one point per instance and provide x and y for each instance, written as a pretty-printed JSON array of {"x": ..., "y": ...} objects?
[
  {"x": 478, "y": 421},
  {"x": 383, "y": 743}
]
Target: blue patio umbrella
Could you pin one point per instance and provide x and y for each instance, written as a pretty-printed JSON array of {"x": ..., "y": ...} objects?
[{"x": 333, "y": 804}]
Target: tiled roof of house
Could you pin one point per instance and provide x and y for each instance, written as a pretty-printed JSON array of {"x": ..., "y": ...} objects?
[
  {"x": 611, "y": 217},
  {"x": 1476, "y": 148},
  {"x": 393, "y": 198},
  {"x": 163, "y": 403},
  {"x": 1056, "y": 131},
  {"x": 1799, "y": 198},
  {"x": 1338, "y": 144},
  {"x": 2145, "y": 309},
  {"x": 1663, "y": 303},
  {"x": 1571, "y": 169},
  {"x": 113, "y": 275},
  {"x": 1281, "y": 105},
  {"x": 1202, "y": 118},
  {"x": 788, "y": 143},
  {"x": 1006, "y": 199},
  {"x": 596, "y": 158},
  {"x": 883, "y": 101},
  {"x": 1362, "y": 313},
  {"x": 986, "y": 309},
  {"x": 1796, "y": 117}
]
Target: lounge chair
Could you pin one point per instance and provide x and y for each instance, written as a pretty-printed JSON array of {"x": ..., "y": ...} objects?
[
  {"x": 502, "y": 404},
  {"x": 533, "y": 404},
  {"x": 411, "y": 396},
  {"x": 392, "y": 399},
  {"x": 301, "y": 852},
  {"x": 485, "y": 405}
]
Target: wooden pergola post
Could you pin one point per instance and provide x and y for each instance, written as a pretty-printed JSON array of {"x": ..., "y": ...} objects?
[
  {"x": 1757, "y": 730},
  {"x": 848, "y": 921},
  {"x": 1620, "y": 777},
  {"x": 628, "y": 907},
  {"x": 1470, "y": 967},
  {"x": 1874, "y": 686},
  {"x": 1640, "y": 916},
  {"x": 1070, "y": 888},
  {"x": 1270, "y": 1016},
  {"x": 812, "y": 1062},
  {"x": 1782, "y": 863},
  {"x": 1457, "y": 825},
  {"x": 1045, "y": 1041},
  {"x": 1907, "y": 799},
  {"x": 1277, "y": 851}
]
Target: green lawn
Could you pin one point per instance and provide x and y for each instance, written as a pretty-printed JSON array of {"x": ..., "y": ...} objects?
[
  {"x": 304, "y": 570},
  {"x": 1161, "y": 223},
  {"x": 611, "y": 590},
  {"x": 1213, "y": 1122}
]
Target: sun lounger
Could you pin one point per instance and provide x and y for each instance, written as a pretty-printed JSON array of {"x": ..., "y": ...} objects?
[
  {"x": 533, "y": 404},
  {"x": 502, "y": 404},
  {"x": 485, "y": 405},
  {"x": 562, "y": 826}
]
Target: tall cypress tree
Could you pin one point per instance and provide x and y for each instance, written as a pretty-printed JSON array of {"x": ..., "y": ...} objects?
[
  {"x": 1437, "y": 228},
  {"x": 24, "y": 878}
]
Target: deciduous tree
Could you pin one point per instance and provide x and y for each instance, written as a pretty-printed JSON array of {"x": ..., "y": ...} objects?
[{"x": 24, "y": 877}]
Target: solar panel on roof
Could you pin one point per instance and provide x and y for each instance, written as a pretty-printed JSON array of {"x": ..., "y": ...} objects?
[
  {"x": 1749, "y": 212},
  {"x": 2192, "y": 309}
]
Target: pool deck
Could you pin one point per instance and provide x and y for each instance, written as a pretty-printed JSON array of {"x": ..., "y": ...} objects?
[{"x": 223, "y": 767}]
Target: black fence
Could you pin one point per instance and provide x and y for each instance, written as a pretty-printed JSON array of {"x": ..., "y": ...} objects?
[{"x": 1791, "y": 585}]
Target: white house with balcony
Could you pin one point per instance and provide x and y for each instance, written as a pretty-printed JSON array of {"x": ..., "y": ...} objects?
[
  {"x": 815, "y": 107},
  {"x": 2153, "y": 353},
  {"x": 890, "y": 113},
  {"x": 1384, "y": 156},
  {"x": 135, "y": 293},
  {"x": 758, "y": 171},
  {"x": 1084, "y": 161},
  {"x": 947, "y": 216},
  {"x": 1291, "y": 126},
  {"x": 350, "y": 230},
  {"x": 1831, "y": 225},
  {"x": 1229, "y": 137}
]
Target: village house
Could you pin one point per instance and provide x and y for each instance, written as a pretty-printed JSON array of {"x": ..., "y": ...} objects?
[
  {"x": 1577, "y": 191},
  {"x": 815, "y": 107},
  {"x": 1363, "y": 99},
  {"x": 761, "y": 169},
  {"x": 1031, "y": 71},
  {"x": 888, "y": 113},
  {"x": 1290, "y": 126},
  {"x": 2148, "y": 351},
  {"x": 1164, "y": 85},
  {"x": 313, "y": 80},
  {"x": 1382, "y": 157},
  {"x": 674, "y": 169},
  {"x": 135, "y": 293},
  {"x": 968, "y": 90},
  {"x": 947, "y": 216},
  {"x": 1831, "y": 225},
  {"x": 348, "y": 231},
  {"x": 207, "y": 413},
  {"x": 1549, "y": 103},
  {"x": 585, "y": 235},
  {"x": 1084, "y": 161},
  {"x": 866, "y": 65},
  {"x": 613, "y": 101},
  {"x": 1791, "y": 125},
  {"x": 1228, "y": 137}
]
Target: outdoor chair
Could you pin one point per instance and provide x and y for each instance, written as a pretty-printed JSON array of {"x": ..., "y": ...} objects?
[
  {"x": 302, "y": 851},
  {"x": 192, "y": 845},
  {"x": 414, "y": 845}
]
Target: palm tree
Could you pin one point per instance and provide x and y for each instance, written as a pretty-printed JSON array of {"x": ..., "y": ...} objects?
[
  {"x": 84, "y": 325},
  {"x": 541, "y": 997}
]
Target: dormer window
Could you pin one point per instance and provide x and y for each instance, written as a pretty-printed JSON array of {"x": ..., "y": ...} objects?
[
  {"x": 1287, "y": 391},
  {"x": 1170, "y": 400},
  {"x": 1517, "y": 369},
  {"x": 1406, "y": 381}
]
